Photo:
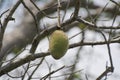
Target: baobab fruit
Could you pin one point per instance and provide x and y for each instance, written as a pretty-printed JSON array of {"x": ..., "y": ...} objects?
[{"x": 58, "y": 44}]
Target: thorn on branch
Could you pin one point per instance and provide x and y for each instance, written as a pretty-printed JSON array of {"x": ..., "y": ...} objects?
[{"x": 10, "y": 18}]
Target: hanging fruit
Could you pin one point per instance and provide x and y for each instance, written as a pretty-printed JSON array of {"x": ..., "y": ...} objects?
[{"x": 58, "y": 44}]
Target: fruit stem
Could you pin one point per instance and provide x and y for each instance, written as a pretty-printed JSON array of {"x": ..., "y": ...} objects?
[{"x": 58, "y": 10}]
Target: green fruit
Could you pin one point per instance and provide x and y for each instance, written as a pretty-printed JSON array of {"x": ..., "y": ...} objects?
[{"x": 58, "y": 44}]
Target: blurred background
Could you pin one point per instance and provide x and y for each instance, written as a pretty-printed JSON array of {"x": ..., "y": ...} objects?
[{"x": 86, "y": 62}]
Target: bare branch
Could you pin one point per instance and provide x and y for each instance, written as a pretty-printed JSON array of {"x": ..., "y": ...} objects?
[
  {"x": 5, "y": 22},
  {"x": 11, "y": 66}
]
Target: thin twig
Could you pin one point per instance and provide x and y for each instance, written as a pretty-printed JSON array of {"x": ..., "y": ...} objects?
[
  {"x": 65, "y": 11},
  {"x": 41, "y": 10},
  {"x": 77, "y": 57},
  {"x": 1, "y": 27},
  {"x": 49, "y": 67},
  {"x": 109, "y": 54},
  {"x": 17, "y": 54},
  {"x": 46, "y": 76},
  {"x": 111, "y": 62},
  {"x": 26, "y": 71},
  {"x": 89, "y": 15},
  {"x": 66, "y": 74},
  {"x": 32, "y": 14},
  {"x": 104, "y": 73},
  {"x": 78, "y": 33},
  {"x": 97, "y": 16},
  {"x": 4, "y": 13},
  {"x": 93, "y": 26},
  {"x": 35, "y": 69},
  {"x": 13, "y": 76}
]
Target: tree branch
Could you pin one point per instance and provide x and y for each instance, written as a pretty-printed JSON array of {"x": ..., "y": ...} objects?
[
  {"x": 13, "y": 65},
  {"x": 5, "y": 22}
]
